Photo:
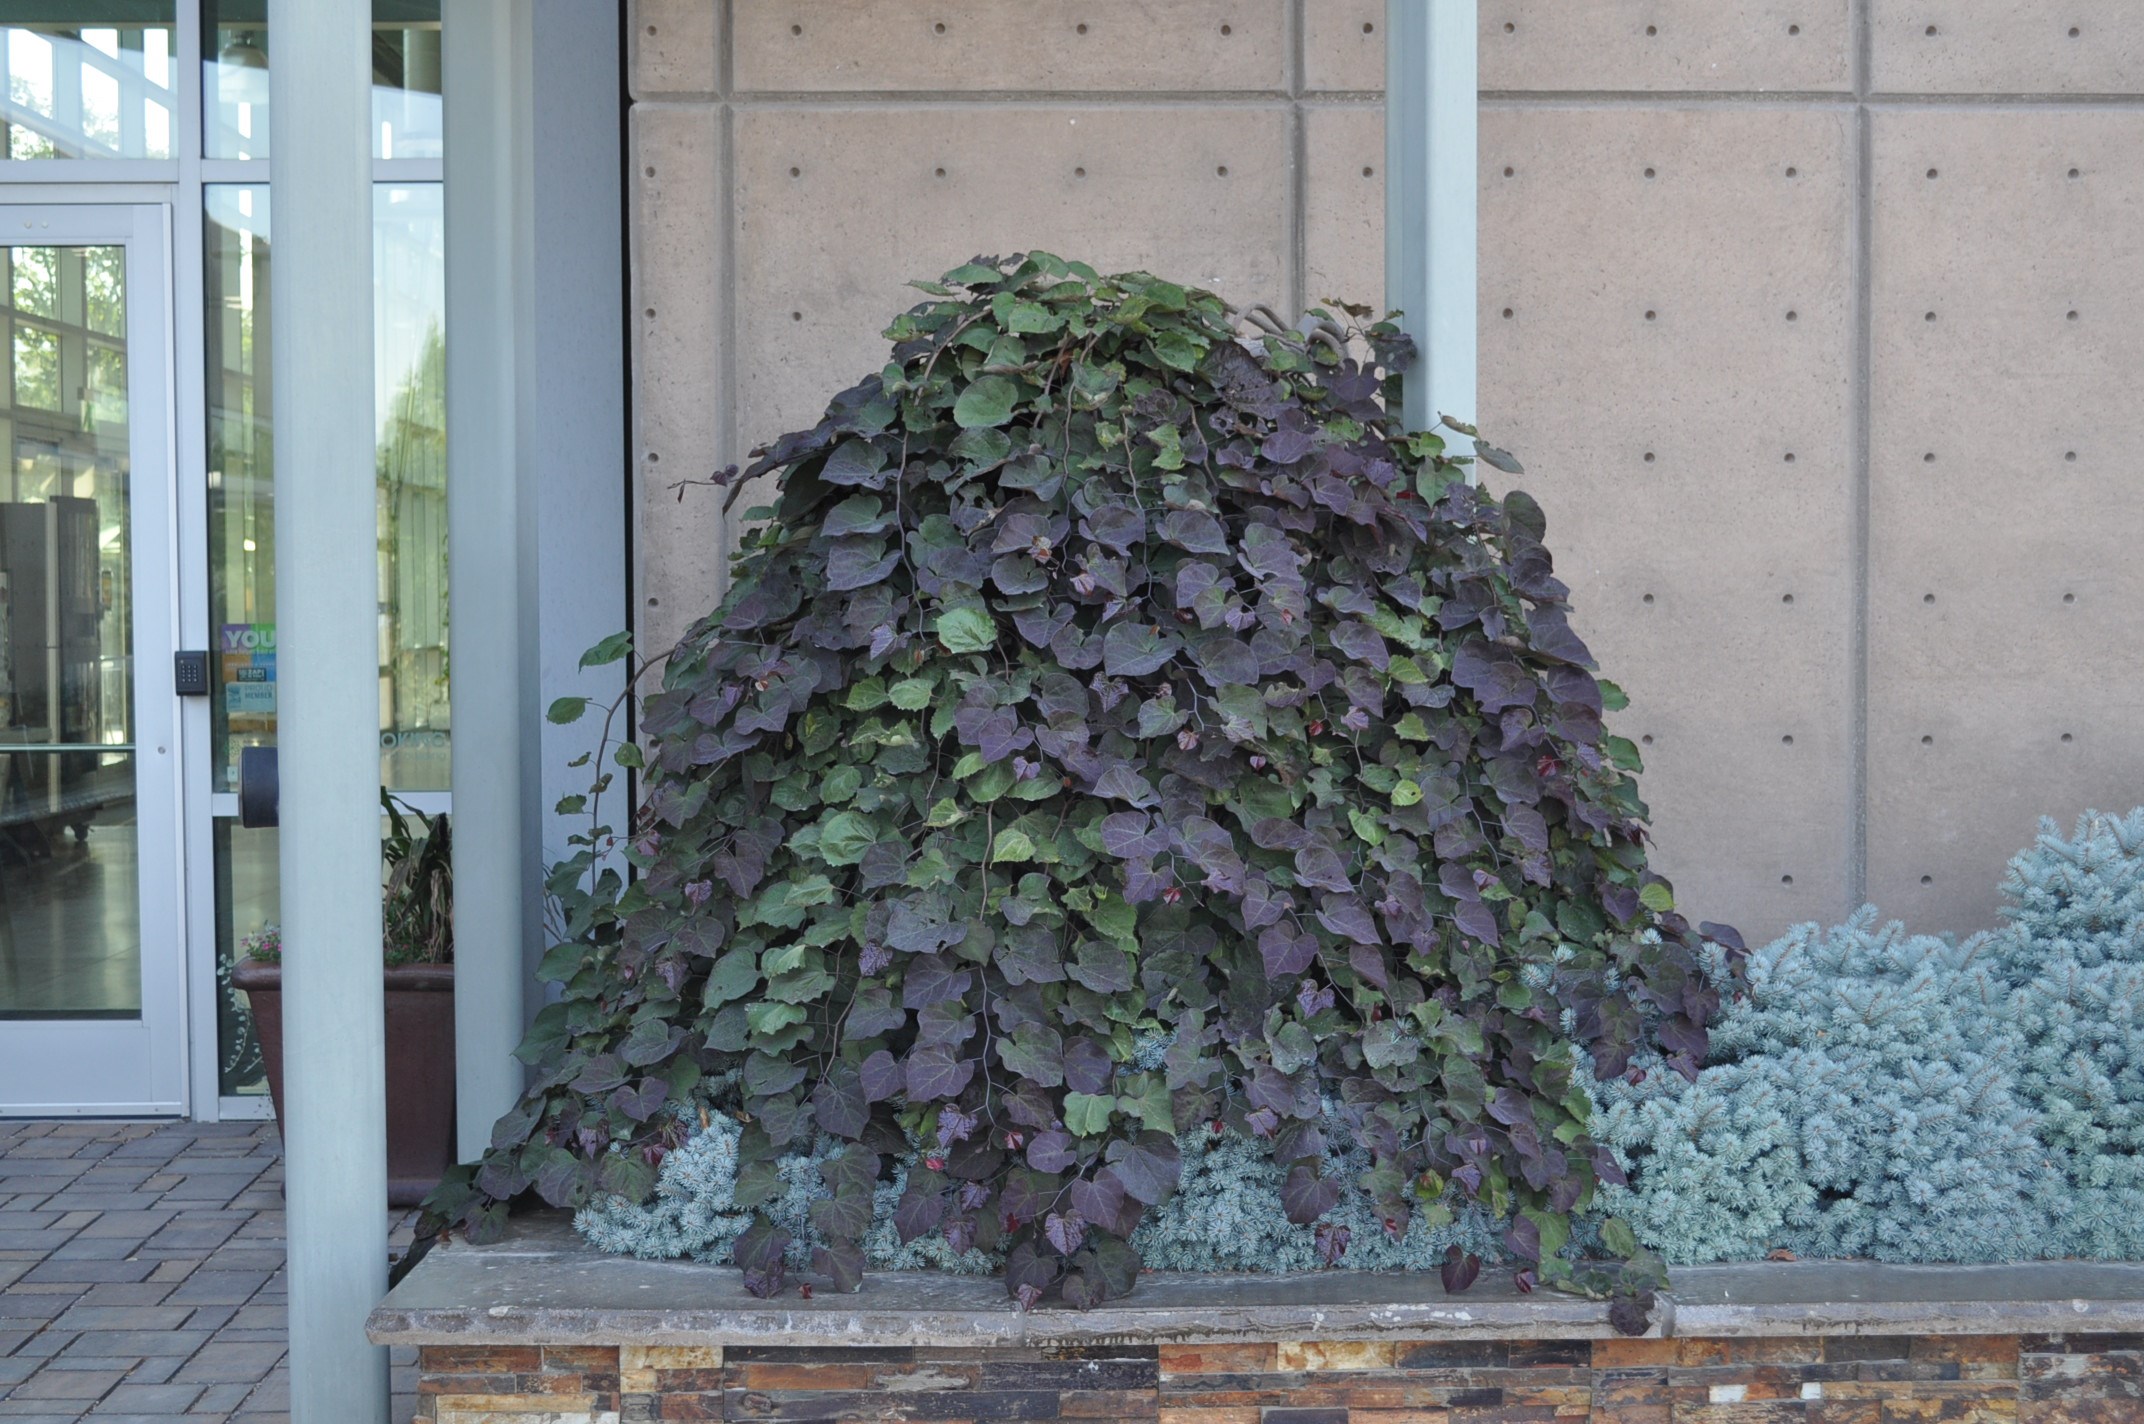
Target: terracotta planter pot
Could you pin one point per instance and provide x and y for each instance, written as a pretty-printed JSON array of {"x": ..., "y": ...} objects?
[{"x": 420, "y": 1066}]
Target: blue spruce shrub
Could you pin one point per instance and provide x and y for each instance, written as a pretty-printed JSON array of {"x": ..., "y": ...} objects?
[
  {"x": 2072, "y": 947},
  {"x": 1859, "y": 1101},
  {"x": 1226, "y": 1216}
]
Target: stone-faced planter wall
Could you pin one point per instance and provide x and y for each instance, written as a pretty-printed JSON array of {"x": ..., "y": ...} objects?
[{"x": 540, "y": 1330}]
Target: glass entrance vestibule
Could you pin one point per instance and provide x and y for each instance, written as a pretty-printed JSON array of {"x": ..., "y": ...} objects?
[{"x": 137, "y": 528}]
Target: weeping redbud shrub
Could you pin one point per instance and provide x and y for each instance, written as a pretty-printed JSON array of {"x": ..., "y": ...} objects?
[{"x": 1110, "y": 671}]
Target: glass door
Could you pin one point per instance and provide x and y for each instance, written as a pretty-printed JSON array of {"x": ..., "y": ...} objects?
[{"x": 92, "y": 925}]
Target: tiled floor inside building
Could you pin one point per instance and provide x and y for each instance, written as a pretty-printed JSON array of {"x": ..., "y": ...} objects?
[{"x": 141, "y": 1273}]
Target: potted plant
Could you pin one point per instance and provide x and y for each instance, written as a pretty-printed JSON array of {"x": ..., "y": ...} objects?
[
  {"x": 1122, "y": 737},
  {"x": 418, "y": 945}
]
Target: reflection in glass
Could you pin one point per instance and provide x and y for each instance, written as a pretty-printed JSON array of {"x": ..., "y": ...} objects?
[
  {"x": 241, "y": 491},
  {"x": 94, "y": 80},
  {"x": 405, "y": 79},
  {"x": 249, "y": 898},
  {"x": 234, "y": 81},
  {"x": 409, "y": 387},
  {"x": 70, "y": 929},
  {"x": 409, "y": 390}
]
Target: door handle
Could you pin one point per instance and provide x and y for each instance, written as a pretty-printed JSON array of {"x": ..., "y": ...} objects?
[{"x": 259, "y": 788}]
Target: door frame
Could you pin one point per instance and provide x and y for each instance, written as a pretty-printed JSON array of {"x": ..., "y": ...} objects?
[{"x": 145, "y": 1061}]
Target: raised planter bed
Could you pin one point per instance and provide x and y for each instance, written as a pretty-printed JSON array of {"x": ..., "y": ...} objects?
[{"x": 541, "y": 1327}]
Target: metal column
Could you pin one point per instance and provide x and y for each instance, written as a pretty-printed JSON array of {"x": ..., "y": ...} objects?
[
  {"x": 486, "y": 69},
  {"x": 327, "y": 591},
  {"x": 1432, "y": 93}
]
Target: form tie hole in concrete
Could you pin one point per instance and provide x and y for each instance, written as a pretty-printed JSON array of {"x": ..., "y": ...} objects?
[
  {"x": 1648, "y": 598},
  {"x": 796, "y": 316},
  {"x": 2074, "y": 32},
  {"x": 939, "y": 28},
  {"x": 1648, "y": 457},
  {"x": 2069, "y": 598},
  {"x": 1928, "y": 741},
  {"x": 1507, "y": 313},
  {"x": 796, "y": 29},
  {"x": 1794, "y": 316},
  {"x": 1222, "y": 171},
  {"x": 1368, "y": 28},
  {"x": 651, "y": 313},
  {"x": 653, "y": 458},
  {"x": 1082, "y": 29},
  {"x": 647, "y": 172},
  {"x": 1928, "y": 880},
  {"x": 1928, "y": 598},
  {"x": 1227, "y": 30},
  {"x": 1509, "y": 27},
  {"x": 1652, "y": 30},
  {"x": 1794, "y": 29},
  {"x": 1931, "y": 173},
  {"x": 1930, "y": 30},
  {"x": 1929, "y": 458},
  {"x": 1929, "y": 317},
  {"x": 1646, "y": 740},
  {"x": 651, "y": 29},
  {"x": 1079, "y": 173},
  {"x": 940, "y": 172},
  {"x": 1509, "y": 171},
  {"x": 1651, "y": 315},
  {"x": 2070, "y": 455},
  {"x": 1368, "y": 171},
  {"x": 2076, "y": 173},
  {"x": 1787, "y": 740},
  {"x": 1793, "y": 173},
  {"x": 799, "y": 173},
  {"x": 1786, "y": 598},
  {"x": 1648, "y": 172},
  {"x": 1786, "y": 880},
  {"x": 2067, "y": 737},
  {"x": 2073, "y": 316}
]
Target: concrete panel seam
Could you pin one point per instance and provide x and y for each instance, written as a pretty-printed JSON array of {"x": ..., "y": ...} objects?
[
  {"x": 1299, "y": 156},
  {"x": 963, "y": 99},
  {"x": 726, "y": 60},
  {"x": 1862, "y": 199}
]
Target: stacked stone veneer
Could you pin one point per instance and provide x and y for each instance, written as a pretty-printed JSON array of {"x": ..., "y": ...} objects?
[{"x": 1969, "y": 1379}]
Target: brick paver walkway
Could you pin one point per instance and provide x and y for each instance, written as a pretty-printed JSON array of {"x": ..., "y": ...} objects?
[{"x": 141, "y": 1274}]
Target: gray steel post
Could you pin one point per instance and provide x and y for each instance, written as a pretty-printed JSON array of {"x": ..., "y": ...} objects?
[
  {"x": 1432, "y": 96},
  {"x": 485, "y": 69},
  {"x": 327, "y": 592}
]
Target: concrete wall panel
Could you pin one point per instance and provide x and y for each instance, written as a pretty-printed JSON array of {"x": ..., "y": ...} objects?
[
  {"x": 1686, "y": 424},
  {"x": 1751, "y": 534},
  {"x": 1743, "y": 46},
  {"x": 838, "y": 209},
  {"x": 672, "y": 47},
  {"x": 1344, "y": 46},
  {"x": 680, "y": 352},
  {"x": 2006, "y": 599},
  {"x": 1344, "y": 204},
  {"x": 1062, "y": 46},
  {"x": 1664, "y": 45},
  {"x": 2008, "y": 46}
]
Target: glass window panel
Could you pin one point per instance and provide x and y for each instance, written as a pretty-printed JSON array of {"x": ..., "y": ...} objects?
[
  {"x": 234, "y": 78},
  {"x": 70, "y": 932},
  {"x": 405, "y": 79},
  {"x": 409, "y": 385},
  {"x": 241, "y": 489},
  {"x": 87, "y": 79},
  {"x": 249, "y": 903}
]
